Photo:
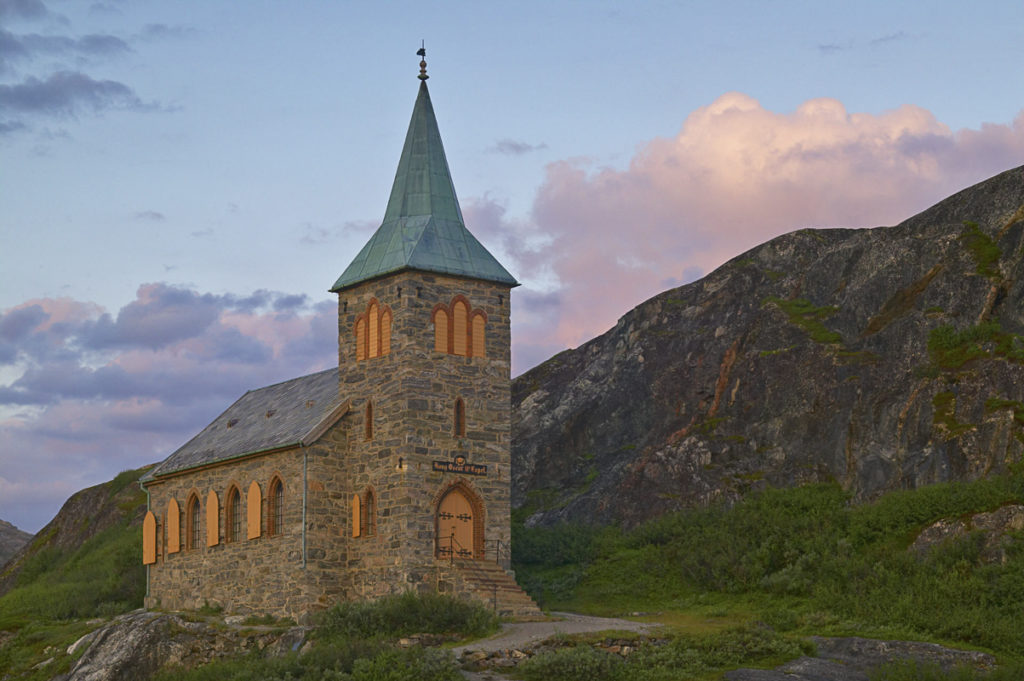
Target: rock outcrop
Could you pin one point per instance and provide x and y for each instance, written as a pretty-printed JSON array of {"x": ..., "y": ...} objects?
[
  {"x": 881, "y": 358},
  {"x": 11, "y": 541},
  {"x": 994, "y": 531},
  {"x": 138, "y": 644}
]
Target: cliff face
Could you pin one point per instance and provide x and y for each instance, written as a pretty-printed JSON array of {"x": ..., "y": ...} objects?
[
  {"x": 11, "y": 539},
  {"x": 882, "y": 358}
]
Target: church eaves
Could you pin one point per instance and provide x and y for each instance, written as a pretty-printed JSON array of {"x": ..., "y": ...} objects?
[{"x": 423, "y": 227}]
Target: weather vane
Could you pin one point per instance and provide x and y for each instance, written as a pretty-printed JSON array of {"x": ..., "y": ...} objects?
[{"x": 422, "y": 52}]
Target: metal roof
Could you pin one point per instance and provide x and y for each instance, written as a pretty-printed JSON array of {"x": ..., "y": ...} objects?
[
  {"x": 423, "y": 227},
  {"x": 292, "y": 413}
]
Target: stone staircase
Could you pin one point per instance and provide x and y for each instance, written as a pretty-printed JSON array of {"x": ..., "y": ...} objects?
[{"x": 492, "y": 585}]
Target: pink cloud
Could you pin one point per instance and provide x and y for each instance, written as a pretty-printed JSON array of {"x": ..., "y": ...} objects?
[{"x": 734, "y": 176}]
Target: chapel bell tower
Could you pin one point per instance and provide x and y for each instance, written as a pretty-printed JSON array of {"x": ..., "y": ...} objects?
[{"x": 424, "y": 358}]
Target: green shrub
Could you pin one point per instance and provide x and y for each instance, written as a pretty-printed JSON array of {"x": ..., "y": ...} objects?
[
  {"x": 576, "y": 663},
  {"x": 405, "y": 614}
]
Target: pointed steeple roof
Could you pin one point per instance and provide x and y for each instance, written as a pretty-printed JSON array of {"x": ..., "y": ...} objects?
[{"x": 423, "y": 227}]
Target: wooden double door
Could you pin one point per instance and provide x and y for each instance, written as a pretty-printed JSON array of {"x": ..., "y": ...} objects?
[{"x": 455, "y": 526}]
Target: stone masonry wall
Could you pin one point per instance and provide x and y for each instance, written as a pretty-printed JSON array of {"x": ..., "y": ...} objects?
[
  {"x": 414, "y": 389},
  {"x": 261, "y": 575}
]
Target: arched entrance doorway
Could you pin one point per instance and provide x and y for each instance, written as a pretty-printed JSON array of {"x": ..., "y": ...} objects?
[{"x": 459, "y": 524}]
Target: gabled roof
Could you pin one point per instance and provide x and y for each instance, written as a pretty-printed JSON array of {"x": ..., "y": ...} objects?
[
  {"x": 423, "y": 227},
  {"x": 288, "y": 414}
]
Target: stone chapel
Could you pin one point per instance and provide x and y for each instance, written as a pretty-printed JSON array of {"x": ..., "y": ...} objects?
[{"x": 390, "y": 472}]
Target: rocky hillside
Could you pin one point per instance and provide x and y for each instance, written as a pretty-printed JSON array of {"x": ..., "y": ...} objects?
[
  {"x": 115, "y": 504},
  {"x": 883, "y": 358},
  {"x": 11, "y": 539}
]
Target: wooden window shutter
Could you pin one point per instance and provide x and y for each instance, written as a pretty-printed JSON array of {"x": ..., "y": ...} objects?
[
  {"x": 478, "y": 335},
  {"x": 460, "y": 332},
  {"x": 254, "y": 503},
  {"x": 385, "y": 331},
  {"x": 212, "y": 519},
  {"x": 356, "y": 509},
  {"x": 173, "y": 527},
  {"x": 374, "y": 323},
  {"x": 360, "y": 339},
  {"x": 441, "y": 331},
  {"x": 149, "y": 539}
]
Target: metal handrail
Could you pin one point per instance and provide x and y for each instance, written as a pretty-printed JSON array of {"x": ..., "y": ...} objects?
[{"x": 471, "y": 564}]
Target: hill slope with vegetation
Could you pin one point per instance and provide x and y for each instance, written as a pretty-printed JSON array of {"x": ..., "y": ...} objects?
[
  {"x": 805, "y": 561},
  {"x": 882, "y": 359}
]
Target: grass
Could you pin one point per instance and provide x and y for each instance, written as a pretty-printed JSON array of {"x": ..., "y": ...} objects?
[
  {"x": 684, "y": 656},
  {"x": 809, "y": 317},
  {"x": 950, "y": 348},
  {"x": 803, "y": 560},
  {"x": 355, "y": 641},
  {"x": 983, "y": 249}
]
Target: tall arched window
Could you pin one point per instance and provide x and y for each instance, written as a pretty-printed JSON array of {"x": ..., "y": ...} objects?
[
  {"x": 460, "y": 333},
  {"x": 193, "y": 537},
  {"x": 385, "y": 331},
  {"x": 368, "y": 421},
  {"x": 373, "y": 319},
  {"x": 360, "y": 339},
  {"x": 373, "y": 331},
  {"x": 233, "y": 529},
  {"x": 275, "y": 508},
  {"x": 364, "y": 514},
  {"x": 441, "y": 330},
  {"x": 478, "y": 334},
  {"x": 459, "y": 329},
  {"x": 459, "y": 426}
]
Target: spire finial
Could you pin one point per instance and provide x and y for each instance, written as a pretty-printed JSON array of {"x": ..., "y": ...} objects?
[{"x": 422, "y": 52}]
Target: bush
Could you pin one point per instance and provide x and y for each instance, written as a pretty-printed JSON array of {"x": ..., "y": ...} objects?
[
  {"x": 577, "y": 663},
  {"x": 405, "y": 614}
]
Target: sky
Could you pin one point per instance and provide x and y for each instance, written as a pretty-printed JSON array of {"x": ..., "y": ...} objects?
[{"x": 181, "y": 182}]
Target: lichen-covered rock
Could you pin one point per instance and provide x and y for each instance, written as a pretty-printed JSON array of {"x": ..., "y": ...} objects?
[
  {"x": 994, "y": 529},
  {"x": 882, "y": 358},
  {"x": 137, "y": 645}
]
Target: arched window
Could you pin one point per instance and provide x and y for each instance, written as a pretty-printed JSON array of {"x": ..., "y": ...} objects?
[
  {"x": 459, "y": 426},
  {"x": 364, "y": 514},
  {"x": 385, "y": 331},
  {"x": 440, "y": 330},
  {"x": 478, "y": 334},
  {"x": 368, "y": 421},
  {"x": 254, "y": 500},
  {"x": 193, "y": 536},
  {"x": 374, "y": 326},
  {"x": 373, "y": 331},
  {"x": 460, "y": 334},
  {"x": 275, "y": 508},
  {"x": 173, "y": 526},
  {"x": 360, "y": 339},
  {"x": 459, "y": 329},
  {"x": 233, "y": 524},
  {"x": 368, "y": 514}
]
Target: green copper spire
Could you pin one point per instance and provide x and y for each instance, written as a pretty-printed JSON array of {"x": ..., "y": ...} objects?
[{"x": 423, "y": 227}]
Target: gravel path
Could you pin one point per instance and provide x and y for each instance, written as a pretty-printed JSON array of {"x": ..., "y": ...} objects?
[{"x": 517, "y": 635}]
